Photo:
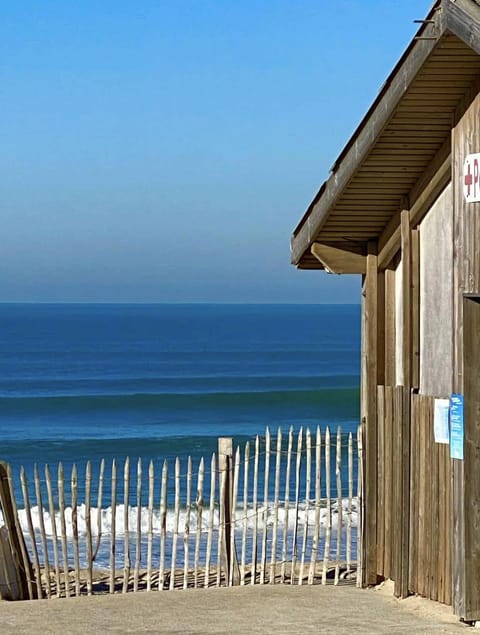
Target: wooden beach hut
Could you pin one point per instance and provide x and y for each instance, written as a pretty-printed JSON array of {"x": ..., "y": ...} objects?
[{"x": 401, "y": 208}]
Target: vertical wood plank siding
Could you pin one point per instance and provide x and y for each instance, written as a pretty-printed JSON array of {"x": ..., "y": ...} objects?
[
  {"x": 466, "y": 534},
  {"x": 427, "y": 561}
]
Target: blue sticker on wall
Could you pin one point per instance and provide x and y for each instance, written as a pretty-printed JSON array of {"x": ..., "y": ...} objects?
[{"x": 456, "y": 426}]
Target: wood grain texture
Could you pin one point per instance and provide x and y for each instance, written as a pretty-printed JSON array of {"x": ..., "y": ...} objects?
[
  {"x": 466, "y": 139},
  {"x": 389, "y": 479},
  {"x": 381, "y": 463},
  {"x": 415, "y": 472},
  {"x": 471, "y": 334},
  {"x": 369, "y": 408}
]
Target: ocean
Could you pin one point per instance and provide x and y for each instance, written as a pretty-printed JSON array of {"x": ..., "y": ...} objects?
[{"x": 82, "y": 382}]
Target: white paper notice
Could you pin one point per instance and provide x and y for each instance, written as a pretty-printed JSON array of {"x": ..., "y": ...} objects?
[{"x": 440, "y": 420}]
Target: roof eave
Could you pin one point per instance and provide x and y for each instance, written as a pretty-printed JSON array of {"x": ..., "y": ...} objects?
[{"x": 445, "y": 16}]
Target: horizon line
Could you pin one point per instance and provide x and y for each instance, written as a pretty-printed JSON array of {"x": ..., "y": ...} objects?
[{"x": 180, "y": 303}]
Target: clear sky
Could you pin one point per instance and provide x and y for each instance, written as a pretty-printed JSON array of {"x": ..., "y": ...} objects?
[{"x": 164, "y": 151}]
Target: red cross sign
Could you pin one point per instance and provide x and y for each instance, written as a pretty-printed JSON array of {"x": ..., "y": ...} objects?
[{"x": 471, "y": 178}]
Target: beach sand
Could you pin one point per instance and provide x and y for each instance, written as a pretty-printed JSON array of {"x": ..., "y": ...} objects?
[{"x": 253, "y": 609}]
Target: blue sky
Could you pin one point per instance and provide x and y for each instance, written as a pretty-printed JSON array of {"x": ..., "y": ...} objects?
[{"x": 164, "y": 151}]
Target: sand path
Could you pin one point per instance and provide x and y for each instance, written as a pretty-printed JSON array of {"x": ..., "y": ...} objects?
[{"x": 259, "y": 609}]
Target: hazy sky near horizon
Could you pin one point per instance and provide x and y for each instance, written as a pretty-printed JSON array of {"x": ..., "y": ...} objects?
[{"x": 164, "y": 151}]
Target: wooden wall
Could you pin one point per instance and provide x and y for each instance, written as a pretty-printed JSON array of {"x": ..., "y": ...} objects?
[
  {"x": 417, "y": 301},
  {"x": 408, "y": 496},
  {"x": 425, "y": 559},
  {"x": 466, "y": 140}
]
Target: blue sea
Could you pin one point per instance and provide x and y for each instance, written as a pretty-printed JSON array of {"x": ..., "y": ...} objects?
[{"x": 84, "y": 381}]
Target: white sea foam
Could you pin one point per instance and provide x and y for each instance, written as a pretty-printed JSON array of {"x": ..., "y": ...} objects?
[{"x": 285, "y": 515}]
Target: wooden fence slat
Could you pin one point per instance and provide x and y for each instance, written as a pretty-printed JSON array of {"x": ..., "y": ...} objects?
[
  {"x": 113, "y": 522},
  {"x": 318, "y": 493},
  {"x": 308, "y": 484},
  {"x": 53, "y": 521},
  {"x": 349, "y": 503},
  {"x": 233, "y": 576},
  {"x": 338, "y": 474},
  {"x": 28, "y": 513},
  {"x": 99, "y": 508},
  {"x": 225, "y": 467},
  {"x": 151, "y": 492},
  {"x": 208, "y": 556},
  {"x": 253, "y": 578},
  {"x": 16, "y": 542},
  {"x": 263, "y": 562},
  {"x": 278, "y": 463},
  {"x": 186, "y": 530},
  {"x": 221, "y": 516},
  {"x": 10, "y": 583},
  {"x": 163, "y": 525},
  {"x": 63, "y": 528},
  {"x": 328, "y": 530},
  {"x": 138, "y": 536},
  {"x": 10, "y": 511},
  {"x": 176, "y": 524},
  {"x": 76, "y": 555},
  {"x": 298, "y": 464},
  {"x": 88, "y": 527},
  {"x": 246, "y": 465},
  {"x": 126, "y": 530},
  {"x": 43, "y": 535},
  {"x": 286, "y": 504},
  {"x": 198, "y": 534}
]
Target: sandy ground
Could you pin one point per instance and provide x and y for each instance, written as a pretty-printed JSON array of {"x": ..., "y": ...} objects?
[{"x": 258, "y": 609}]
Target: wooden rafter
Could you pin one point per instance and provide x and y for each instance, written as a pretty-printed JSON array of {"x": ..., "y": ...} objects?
[{"x": 335, "y": 260}]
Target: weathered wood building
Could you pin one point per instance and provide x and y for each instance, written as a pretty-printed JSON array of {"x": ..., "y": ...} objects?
[{"x": 401, "y": 207}]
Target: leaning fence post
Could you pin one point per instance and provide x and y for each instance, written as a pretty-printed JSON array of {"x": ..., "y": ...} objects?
[
  {"x": 24, "y": 570},
  {"x": 227, "y": 558}
]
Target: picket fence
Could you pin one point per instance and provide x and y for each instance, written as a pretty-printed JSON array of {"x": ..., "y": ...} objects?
[{"x": 281, "y": 510}]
